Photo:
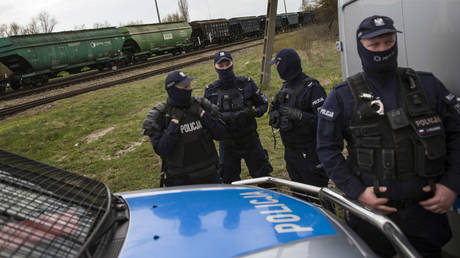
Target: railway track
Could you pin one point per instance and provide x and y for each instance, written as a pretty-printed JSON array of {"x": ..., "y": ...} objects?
[
  {"x": 38, "y": 102},
  {"x": 92, "y": 75}
]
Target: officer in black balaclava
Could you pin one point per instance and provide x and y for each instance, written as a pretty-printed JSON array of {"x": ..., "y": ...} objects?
[
  {"x": 182, "y": 132},
  {"x": 402, "y": 132},
  {"x": 239, "y": 100},
  {"x": 294, "y": 112}
]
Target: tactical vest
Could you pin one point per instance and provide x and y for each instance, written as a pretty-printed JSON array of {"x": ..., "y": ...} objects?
[
  {"x": 294, "y": 133},
  {"x": 194, "y": 150},
  {"x": 403, "y": 143},
  {"x": 233, "y": 100}
]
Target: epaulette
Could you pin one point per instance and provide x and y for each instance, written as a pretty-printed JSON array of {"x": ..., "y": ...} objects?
[
  {"x": 422, "y": 73},
  {"x": 310, "y": 82},
  {"x": 340, "y": 85},
  {"x": 242, "y": 79},
  {"x": 214, "y": 84}
]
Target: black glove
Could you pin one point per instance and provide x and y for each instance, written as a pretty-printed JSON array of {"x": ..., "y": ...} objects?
[
  {"x": 195, "y": 108},
  {"x": 208, "y": 106},
  {"x": 246, "y": 112},
  {"x": 291, "y": 113},
  {"x": 228, "y": 116}
]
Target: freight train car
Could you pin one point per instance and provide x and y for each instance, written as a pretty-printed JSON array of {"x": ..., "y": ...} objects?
[
  {"x": 34, "y": 59},
  {"x": 210, "y": 32},
  {"x": 263, "y": 19},
  {"x": 245, "y": 27},
  {"x": 289, "y": 20},
  {"x": 145, "y": 40}
]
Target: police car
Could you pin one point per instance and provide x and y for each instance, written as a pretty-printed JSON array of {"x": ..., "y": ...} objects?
[{"x": 49, "y": 212}]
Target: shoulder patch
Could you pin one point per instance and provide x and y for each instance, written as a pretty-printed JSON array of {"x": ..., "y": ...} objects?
[
  {"x": 330, "y": 115},
  {"x": 317, "y": 101}
]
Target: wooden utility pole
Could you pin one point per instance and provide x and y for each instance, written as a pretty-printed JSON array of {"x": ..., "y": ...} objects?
[
  {"x": 158, "y": 12},
  {"x": 269, "y": 39}
]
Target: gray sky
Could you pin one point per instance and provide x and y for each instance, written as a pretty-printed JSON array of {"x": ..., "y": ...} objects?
[{"x": 70, "y": 13}]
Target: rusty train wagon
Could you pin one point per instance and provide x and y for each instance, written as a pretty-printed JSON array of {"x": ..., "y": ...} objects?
[
  {"x": 210, "y": 32},
  {"x": 245, "y": 27}
]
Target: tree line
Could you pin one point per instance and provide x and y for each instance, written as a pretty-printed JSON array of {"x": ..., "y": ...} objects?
[{"x": 42, "y": 23}]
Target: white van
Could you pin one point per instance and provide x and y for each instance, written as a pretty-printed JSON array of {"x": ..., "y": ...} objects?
[{"x": 429, "y": 42}]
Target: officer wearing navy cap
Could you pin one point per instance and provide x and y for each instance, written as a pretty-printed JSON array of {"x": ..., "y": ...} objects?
[
  {"x": 182, "y": 132},
  {"x": 240, "y": 101},
  {"x": 294, "y": 112},
  {"x": 403, "y": 138}
]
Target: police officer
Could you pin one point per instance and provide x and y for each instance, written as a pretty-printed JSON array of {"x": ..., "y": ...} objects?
[
  {"x": 403, "y": 138},
  {"x": 182, "y": 131},
  {"x": 240, "y": 101},
  {"x": 294, "y": 112}
]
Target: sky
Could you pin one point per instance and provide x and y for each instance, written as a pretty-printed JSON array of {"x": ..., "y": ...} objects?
[{"x": 71, "y": 13}]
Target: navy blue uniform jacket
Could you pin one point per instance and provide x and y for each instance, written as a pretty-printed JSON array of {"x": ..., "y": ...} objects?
[
  {"x": 164, "y": 142},
  {"x": 335, "y": 117}
]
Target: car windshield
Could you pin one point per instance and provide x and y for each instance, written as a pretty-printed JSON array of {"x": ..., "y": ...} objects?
[{"x": 45, "y": 211}]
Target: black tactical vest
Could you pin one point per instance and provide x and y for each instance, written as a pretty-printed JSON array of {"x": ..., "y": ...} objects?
[
  {"x": 233, "y": 100},
  {"x": 402, "y": 143},
  {"x": 194, "y": 149},
  {"x": 295, "y": 134}
]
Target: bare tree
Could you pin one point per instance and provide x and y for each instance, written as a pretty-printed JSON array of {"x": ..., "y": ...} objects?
[
  {"x": 31, "y": 28},
  {"x": 14, "y": 29},
  {"x": 183, "y": 9},
  {"x": 310, "y": 5},
  {"x": 174, "y": 17},
  {"x": 131, "y": 23},
  {"x": 47, "y": 23},
  {"x": 328, "y": 12},
  {"x": 99, "y": 25},
  {"x": 79, "y": 27},
  {"x": 3, "y": 30}
]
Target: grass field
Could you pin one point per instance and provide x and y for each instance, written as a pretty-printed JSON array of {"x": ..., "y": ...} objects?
[{"x": 98, "y": 134}]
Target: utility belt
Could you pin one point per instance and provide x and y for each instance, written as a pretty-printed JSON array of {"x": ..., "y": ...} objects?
[
  {"x": 165, "y": 176},
  {"x": 407, "y": 203}
]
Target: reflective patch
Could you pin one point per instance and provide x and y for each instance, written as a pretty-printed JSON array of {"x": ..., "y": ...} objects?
[
  {"x": 182, "y": 74},
  {"x": 190, "y": 127},
  {"x": 315, "y": 102},
  {"x": 326, "y": 113},
  {"x": 428, "y": 121}
]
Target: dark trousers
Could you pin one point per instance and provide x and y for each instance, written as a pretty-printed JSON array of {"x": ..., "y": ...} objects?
[
  {"x": 254, "y": 155},
  {"x": 303, "y": 166},
  {"x": 428, "y": 232}
]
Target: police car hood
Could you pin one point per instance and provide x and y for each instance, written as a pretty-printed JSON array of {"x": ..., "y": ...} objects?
[{"x": 228, "y": 221}]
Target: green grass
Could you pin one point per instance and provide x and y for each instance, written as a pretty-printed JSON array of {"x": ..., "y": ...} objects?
[{"x": 58, "y": 133}]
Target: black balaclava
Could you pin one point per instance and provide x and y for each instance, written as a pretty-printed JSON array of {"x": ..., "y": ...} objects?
[
  {"x": 380, "y": 62},
  {"x": 289, "y": 66},
  {"x": 179, "y": 97},
  {"x": 226, "y": 76}
]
